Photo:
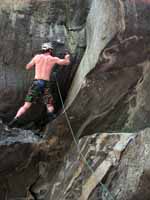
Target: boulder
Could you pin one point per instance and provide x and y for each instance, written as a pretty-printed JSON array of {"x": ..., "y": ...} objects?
[{"x": 105, "y": 166}]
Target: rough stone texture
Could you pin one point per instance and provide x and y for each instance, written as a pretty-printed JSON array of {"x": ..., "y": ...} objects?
[
  {"x": 24, "y": 26},
  {"x": 28, "y": 163},
  {"x": 101, "y": 92},
  {"x": 19, "y": 154},
  {"x": 119, "y": 160},
  {"x": 101, "y": 29},
  {"x": 106, "y": 98},
  {"x": 109, "y": 93},
  {"x": 110, "y": 45},
  {"x": 139, "y": 103}
]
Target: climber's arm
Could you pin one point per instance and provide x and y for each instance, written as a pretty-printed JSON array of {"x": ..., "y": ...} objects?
[
  {"x": 31, "y": 63},
  {"x": 65, "y": 61}
]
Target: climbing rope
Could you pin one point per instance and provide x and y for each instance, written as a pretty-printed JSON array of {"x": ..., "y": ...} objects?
[{"x": 104, "y": 188}]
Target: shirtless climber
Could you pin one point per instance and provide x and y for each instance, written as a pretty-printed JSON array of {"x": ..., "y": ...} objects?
[{"x": 41, "y": 87}]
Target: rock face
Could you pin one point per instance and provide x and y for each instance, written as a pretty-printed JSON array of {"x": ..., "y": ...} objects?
[
  {"x": 104, "y": 93},
  {"x": 116, "y": 167},
  {"x": 24, "y": 26},
  {"x": 28, "y": 163},
  {"x": 108, "y": 93},
  {"x": 18, "y": 156},
  {"x": 111, "y": 41}
]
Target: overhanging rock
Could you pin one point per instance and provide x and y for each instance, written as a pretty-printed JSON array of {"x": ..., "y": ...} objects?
[{"x": 110, "y": 68}]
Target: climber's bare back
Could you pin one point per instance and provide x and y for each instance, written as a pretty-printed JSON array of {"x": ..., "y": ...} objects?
[{"x": 44, "y": 64}]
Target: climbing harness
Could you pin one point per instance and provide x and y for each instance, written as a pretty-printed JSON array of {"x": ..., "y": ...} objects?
[{"x": 104, "y": 188}]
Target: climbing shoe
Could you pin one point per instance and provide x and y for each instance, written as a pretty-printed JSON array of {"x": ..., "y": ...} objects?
[{"x": 13, "y": 123}]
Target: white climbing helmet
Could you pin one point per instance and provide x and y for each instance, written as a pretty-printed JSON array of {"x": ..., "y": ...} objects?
[{"x": 46, "y": 46}]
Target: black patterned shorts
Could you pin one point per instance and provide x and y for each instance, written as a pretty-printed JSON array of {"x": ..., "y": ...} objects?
[{"x": 40, "y": 90}]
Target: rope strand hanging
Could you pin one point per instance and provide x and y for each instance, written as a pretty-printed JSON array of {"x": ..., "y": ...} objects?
[{"x": 103, "y": 186}]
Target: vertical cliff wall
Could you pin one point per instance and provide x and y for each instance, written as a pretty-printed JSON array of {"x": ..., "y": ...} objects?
[{"x": 24, "y": 26}]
